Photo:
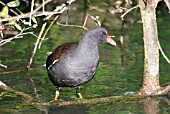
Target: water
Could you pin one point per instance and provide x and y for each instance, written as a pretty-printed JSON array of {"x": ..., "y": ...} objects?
[{"x": 111, "y": 79}]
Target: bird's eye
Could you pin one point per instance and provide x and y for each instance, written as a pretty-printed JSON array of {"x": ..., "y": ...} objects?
[{"x": 102, "y": 33}]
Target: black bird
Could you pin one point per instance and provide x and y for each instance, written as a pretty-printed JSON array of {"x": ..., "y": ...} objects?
[{"x": 73, "y": 64}]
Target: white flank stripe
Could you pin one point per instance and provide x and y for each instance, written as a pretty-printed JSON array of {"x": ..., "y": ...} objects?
[{"x": 53, "y": 63}]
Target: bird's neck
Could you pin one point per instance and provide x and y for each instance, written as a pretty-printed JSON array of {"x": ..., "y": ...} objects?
[
  {"x": 87, "y": 46},
  {"x": 88, "y": 42}
]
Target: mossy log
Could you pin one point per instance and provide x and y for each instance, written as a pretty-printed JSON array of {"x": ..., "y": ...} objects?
[{"x": 111, "y": 99}]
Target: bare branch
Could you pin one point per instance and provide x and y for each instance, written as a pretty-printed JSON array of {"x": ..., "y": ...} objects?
[
  {"x": 32, "y": 8},
  {"x": 162, "y": 52},
  {"x": 77, "y": 26},
  {"x": 35, "y": 13},
  {"x": 95, "y": 19},
  {"x": 122, "y": 16},
  {"x": 47, "y": 31},
  {"x": 43, "y": 6},
  {"x": 162, "y": 91},
  {"x": 13, "y": 71},
  {"x": 4, "y": 87},
  {"x": 36, "y": 45},
  {"x": 60, "y": 9},
  {"x": 112, "y": 99},
  {"x": 20, "y": 35}
]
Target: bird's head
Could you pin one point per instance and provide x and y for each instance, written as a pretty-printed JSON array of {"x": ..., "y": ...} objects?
[{"x": 100, "y": 35}]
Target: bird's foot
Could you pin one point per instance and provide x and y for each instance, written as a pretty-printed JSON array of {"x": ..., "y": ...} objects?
[
  {"x": 79, "y": 97},
  {"x": 56, "y": 96},
  {"x": 53, "y": 101}
]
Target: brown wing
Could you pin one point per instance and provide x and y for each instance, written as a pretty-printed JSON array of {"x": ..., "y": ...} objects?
[{"x": 60, "y": 51}]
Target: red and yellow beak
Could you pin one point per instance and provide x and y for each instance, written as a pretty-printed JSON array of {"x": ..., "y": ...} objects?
[{"x": 110, "y": 40}]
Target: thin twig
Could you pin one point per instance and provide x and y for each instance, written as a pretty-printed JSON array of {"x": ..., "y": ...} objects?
[
  {"x": 35, "y": 13},
  {"x": 20, "y": 35},
  {"x": 47, "y": 31},
  {"x": 93, "y": 18},
  {"x": 36, "y": 45},
  {"x": 67, "y": 17},
  {"x": 66, "y": 25},
  {"x": 1, "y": 65},
  {"x": 39, "y": 7},
  {"x": 122, "y": 16},
  {"x": 78, "y": 26},
  {"x": 162, "y": 52},
  {"x": 60, "y": 9},
  {"x": 85, "y": 20},
  {"x": 14, "y": 71},
  {"x": 84, "y": 23},
  {"x": 32, "y": 8},
  {"x": 43, "y": 7}
]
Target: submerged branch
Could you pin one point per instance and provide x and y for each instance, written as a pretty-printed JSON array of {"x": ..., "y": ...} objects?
[
  {"x": 13, "y": 71},
  {"x": 94, "y": 101},
  {"x": 111, "y": 99},
  {"x": 6, "y": 88}
]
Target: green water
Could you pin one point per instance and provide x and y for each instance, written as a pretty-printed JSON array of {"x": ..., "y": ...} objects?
[{"x": 112, "y": 78}]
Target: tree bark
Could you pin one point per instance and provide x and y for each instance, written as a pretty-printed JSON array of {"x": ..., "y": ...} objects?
[
  {"x": 151, "y": 49},
  {"x": 151, "y": 84}
]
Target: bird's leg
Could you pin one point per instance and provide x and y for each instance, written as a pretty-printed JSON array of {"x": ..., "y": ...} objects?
[
  {"x": 79, "y": 96},
  {"x": 56, "y": 94}
]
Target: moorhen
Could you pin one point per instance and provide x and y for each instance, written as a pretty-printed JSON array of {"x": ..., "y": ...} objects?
[{"x": 74, "y": 64}]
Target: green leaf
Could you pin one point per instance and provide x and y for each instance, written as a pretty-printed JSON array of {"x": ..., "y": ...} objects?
[
  {"x": 13, "y": 23},
  {"x": 18, "y": 107},
  {"x": 10, "y": 95},
  {"x": 4, "y": 12},
  {"x": 13, "y": 3}
]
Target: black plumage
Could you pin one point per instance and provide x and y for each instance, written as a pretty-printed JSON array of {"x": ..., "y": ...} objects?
[{"x": 73, "y": 64}]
